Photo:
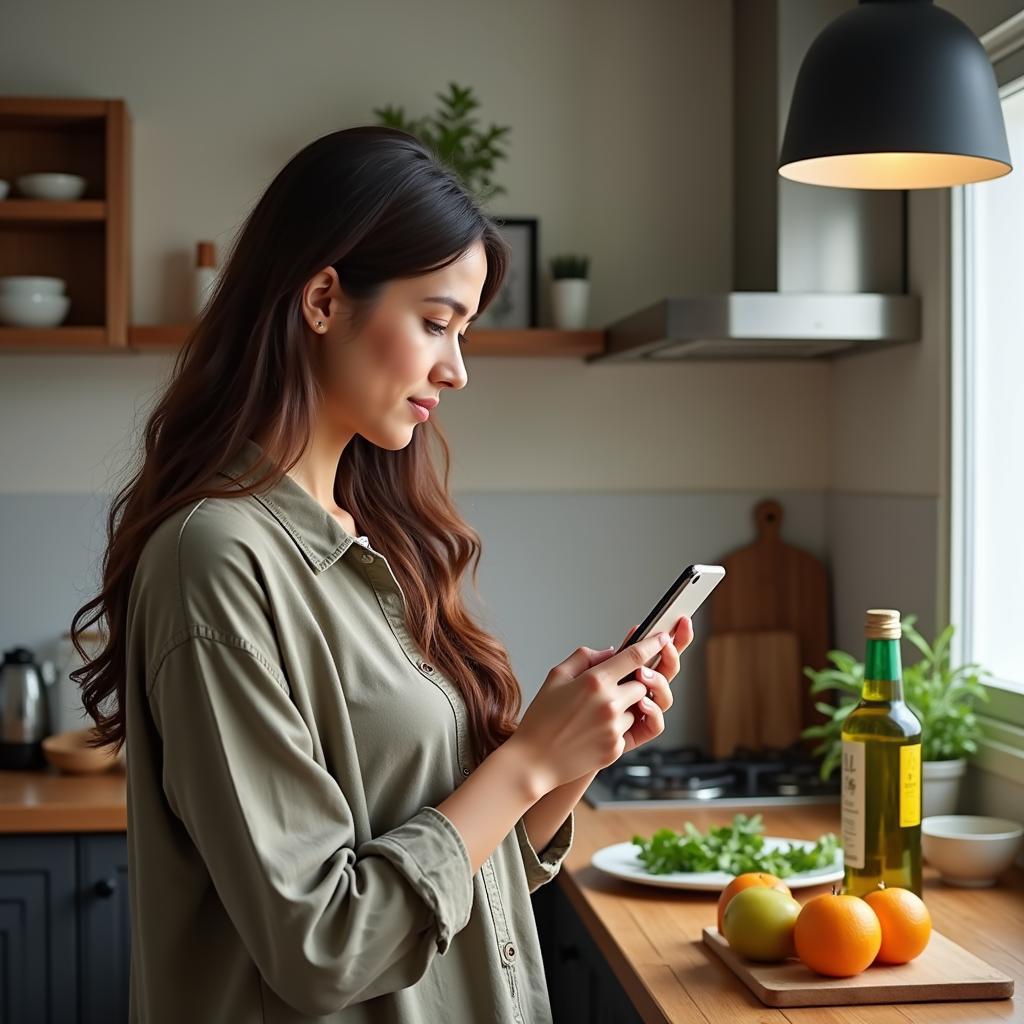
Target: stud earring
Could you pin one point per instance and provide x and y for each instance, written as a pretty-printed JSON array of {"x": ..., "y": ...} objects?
[{"x": 319, "y": 324}]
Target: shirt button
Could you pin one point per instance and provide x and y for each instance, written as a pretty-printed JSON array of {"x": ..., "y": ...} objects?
[
  {"x": 367, "y": 557},
  {"x": 426, "y": 668},
  {"x": 510, "y": 951}
]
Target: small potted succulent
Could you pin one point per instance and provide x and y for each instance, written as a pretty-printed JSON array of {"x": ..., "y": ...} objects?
[
  {"x": 570, "y": 291},
  {"x": 942, "y": 698}
]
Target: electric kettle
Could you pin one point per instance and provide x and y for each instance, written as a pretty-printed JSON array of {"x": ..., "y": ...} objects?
[{"x": 24, "y": 710}]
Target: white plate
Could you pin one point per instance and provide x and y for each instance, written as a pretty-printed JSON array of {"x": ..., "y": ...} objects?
[{"x": 622, "y": 861}]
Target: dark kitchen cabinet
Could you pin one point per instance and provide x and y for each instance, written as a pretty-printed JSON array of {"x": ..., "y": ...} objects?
[
  {"x": 64, "y": 928},
  {"x": 581, "y": 984},
  {"x": 65, "y": 938},
  {"x": 103, "y": 928}
]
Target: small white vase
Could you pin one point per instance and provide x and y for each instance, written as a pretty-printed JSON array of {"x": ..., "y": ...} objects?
[
  {"x": 940, "y": 782},
  {"x": 569, "y": 297}
]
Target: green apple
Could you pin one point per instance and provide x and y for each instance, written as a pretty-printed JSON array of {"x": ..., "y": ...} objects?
[{"x": 759, "y": 923}]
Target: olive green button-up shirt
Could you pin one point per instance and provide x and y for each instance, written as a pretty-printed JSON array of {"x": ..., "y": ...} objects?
[{"x": 287, "y": 745}]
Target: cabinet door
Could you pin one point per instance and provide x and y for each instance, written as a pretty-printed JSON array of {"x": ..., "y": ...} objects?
[
  {"x": 104, "y": 928},
  {"x": 581, "y": 984},
  {"x": 38, "y": 948}
]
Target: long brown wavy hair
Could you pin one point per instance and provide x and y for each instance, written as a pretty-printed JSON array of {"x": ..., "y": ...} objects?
[{"x": 376, "y": 205}]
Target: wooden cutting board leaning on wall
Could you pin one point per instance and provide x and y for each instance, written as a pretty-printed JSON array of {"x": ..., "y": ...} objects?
[
  {"x": 773, "y": 586},
  {"x": 754, "y": 693}
]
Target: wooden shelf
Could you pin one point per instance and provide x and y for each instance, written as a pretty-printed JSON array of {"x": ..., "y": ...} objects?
[
  {"x": 29, "y": 340},
  {"x": 49, "y": 211},
  {"x": 84, "y": 241},
  {"x": 542, "y": 342},
  {"x": 537, "y": 341}
]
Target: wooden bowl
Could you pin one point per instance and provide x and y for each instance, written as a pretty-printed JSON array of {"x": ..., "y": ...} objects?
[{"x": 69, "y": 752}]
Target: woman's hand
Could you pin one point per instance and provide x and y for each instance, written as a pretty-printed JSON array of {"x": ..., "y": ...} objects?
[
  {"x": 580, "y": 719},
  {"x": 650, "y": 711}
]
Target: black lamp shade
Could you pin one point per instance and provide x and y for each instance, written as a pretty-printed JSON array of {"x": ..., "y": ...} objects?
[{"x": 895, "y": 94}]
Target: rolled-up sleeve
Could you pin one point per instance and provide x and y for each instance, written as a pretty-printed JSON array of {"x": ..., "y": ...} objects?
[
  {"x": 542, "y": 867},
  {"x": 327, "y": 924}
]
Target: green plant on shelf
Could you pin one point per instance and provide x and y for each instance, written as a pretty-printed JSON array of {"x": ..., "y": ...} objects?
[{"x": 452, "y": 135}]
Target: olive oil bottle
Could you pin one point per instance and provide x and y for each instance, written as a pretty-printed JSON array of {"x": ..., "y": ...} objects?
[{"x": 881, "y": 770}]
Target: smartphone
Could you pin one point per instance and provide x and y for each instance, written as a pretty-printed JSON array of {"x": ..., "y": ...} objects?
[{"x": 684, "y": 597}]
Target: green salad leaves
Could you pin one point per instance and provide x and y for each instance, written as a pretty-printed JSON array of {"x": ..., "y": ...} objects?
[{"x": 734, "y": 848}]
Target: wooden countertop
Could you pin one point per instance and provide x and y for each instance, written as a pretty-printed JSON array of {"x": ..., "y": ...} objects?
[
  {"x": 47, "y": 801},
  {"x": 652, "y": 937}
]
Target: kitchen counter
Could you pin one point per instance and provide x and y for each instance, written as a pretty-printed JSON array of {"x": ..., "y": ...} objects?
[
  {"x": 47, "y": 801},
  {"x": 651, "y": 937}
]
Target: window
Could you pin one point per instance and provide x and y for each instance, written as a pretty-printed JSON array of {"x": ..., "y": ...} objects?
[{"x": 987, "y": 422}]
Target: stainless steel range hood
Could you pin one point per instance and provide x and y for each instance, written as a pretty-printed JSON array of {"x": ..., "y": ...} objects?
[{"x": 816, "y": 271}]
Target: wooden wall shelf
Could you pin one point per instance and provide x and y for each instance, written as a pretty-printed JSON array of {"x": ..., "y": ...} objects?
[
  {"x": 30, "y": 340},
  {"x": 46, "y": 211},
  {"x": 537, "y": 341},
  {"x": 84, "y": 241}
]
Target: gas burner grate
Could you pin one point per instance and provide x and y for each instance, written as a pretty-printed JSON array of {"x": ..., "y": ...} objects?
[{"x": 688, "y": 774}]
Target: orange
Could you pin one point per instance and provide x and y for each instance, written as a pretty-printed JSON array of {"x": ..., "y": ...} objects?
[
  {"x": 745, "y": 881},
  {"x": 906, "y": 923},
  {"x": 837, "y": 935}
]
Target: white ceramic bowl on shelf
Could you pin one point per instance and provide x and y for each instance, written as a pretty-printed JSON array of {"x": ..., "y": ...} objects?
[
  {"x": 33, "y": 309},
  {"x": 970, "y": 850},
  {"x": 50, "y": 185},
  {"x": 31, "y": 284}
]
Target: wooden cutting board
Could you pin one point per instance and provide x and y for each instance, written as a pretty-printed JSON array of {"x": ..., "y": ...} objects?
[
  {"x": 754, "y": 692},
  {"x": 944, "y": 971},
  {"x": 772, "y": 585}
]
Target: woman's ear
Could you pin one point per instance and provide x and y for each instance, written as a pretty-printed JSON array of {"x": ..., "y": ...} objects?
[{"x": 323, "y": 301}]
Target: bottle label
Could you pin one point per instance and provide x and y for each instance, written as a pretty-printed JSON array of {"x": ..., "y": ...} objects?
[
  {"x": 853, "y": 790},
  {"x": 910, "y": 785}
]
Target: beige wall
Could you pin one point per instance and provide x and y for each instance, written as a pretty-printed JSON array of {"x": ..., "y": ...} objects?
[
  {"x": 621, "y": 145},
  {"x": 889, "y": 409}
]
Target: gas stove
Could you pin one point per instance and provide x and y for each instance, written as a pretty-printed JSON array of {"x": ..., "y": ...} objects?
[{"x": 688, "y": 777}]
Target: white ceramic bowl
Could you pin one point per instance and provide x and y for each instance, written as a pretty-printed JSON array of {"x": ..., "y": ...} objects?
[
  {"x": 5, "y": 187},
  {"x": 968, "y": 849},
  {"x": 33, "y": 310},
  {"x": 50, "y": 185},
  {"x": 31, "y": 284}
]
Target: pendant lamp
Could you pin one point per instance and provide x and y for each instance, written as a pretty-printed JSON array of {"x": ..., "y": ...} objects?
[{"x": 895, "y": 94}]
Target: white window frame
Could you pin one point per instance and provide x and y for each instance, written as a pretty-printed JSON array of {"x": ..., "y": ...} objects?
[{"x": 1006, "y": 695}]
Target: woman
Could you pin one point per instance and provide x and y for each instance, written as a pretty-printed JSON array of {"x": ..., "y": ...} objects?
[{"x": 332, "y": 812}]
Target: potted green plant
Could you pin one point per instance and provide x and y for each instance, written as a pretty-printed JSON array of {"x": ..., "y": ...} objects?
[
  {"x": 570, "y": 291},
  {"x": 451, "y": 134},
  {"x": 942, "y": 698}
]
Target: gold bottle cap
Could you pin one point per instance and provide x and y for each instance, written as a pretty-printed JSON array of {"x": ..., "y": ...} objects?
[{"x": 882, "y": 624}]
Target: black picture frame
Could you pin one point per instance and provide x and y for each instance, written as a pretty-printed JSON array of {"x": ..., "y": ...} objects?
[{"x": 515, "y": 305}]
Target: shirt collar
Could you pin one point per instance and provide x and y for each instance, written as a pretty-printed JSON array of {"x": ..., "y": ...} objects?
[{"x": 318, "y": 535}]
